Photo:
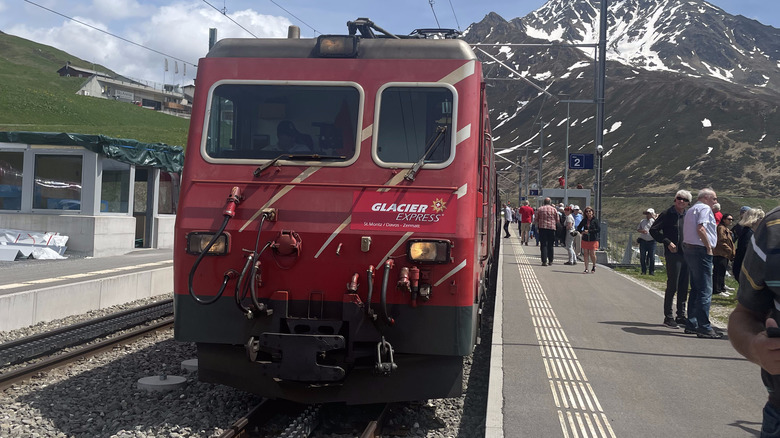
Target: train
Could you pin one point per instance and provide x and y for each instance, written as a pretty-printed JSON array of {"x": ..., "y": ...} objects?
[{"x": 337, "y": 226}]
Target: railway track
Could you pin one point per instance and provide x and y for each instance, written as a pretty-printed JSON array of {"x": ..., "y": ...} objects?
[
  {"x": 35, "y": 346},
  {"x": 24, "y": 349},
  {"x": 302, "y": 421}
]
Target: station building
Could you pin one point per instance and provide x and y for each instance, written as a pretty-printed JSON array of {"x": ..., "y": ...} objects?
[
  {"x": 170, "y": 99},
  {"x": 108, "y": 195}
]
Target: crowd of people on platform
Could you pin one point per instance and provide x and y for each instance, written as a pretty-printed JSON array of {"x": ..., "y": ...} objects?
[
  {"x": 557, "y": 225},
  {"x": 701, "y": 244}
]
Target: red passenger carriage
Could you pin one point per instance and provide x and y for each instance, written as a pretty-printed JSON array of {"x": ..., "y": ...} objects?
[{"x": 351, "y": 258}]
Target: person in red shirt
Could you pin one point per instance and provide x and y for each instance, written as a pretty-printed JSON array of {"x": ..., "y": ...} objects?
[
  {"x": 526, "y": 217},
  {"x": 717, "y": 213}
]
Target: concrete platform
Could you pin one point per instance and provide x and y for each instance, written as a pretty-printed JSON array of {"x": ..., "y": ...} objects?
[
  {"x": 587, "y": 355},
  {"x": 33, "y": 291}
]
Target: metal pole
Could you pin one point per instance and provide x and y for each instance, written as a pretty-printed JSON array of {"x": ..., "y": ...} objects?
[
  {"x": 525, "y": 170},
  {"x": 566, "y": 160},
  {"x": 602, "y": 65},
  {"x": 541, "y": 152}
]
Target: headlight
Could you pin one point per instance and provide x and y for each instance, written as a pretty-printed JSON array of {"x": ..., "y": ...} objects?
[
  {"x": 198, "y": 241},
  {"x": 337, "y": 46},
  {"x": 429, "y": 251}
]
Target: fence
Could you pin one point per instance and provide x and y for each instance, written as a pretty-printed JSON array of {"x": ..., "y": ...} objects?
[{"x": 621, "y": 247}]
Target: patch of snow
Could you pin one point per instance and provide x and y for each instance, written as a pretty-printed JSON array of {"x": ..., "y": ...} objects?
[
  {"x": 709, "y": 149},
  {"x": 542, "y": 76},
  {"x": 615, "y": 126},
  {"x": 762, "y": 138},
  {"x": 706, "y": 123},
  {"x": 719, "y": 73},
  {"x": 555, "y": 35}
]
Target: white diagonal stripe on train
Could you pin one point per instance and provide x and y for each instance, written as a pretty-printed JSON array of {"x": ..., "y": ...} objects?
[
  {"x": 398, "y": 177},
  {"x": 392, "y": 250},
  {"x": 459, "y": 73},
  {"x": 462, "y": 190},
  {"x": 305, "y": 174},
  {"x": 367, "y": 132},
  {"x": 463, "y": 134},
  {"x": 451, "y": 273},
  {"x": 568, "y": 382},
  {"x": 333, "y": 235}
]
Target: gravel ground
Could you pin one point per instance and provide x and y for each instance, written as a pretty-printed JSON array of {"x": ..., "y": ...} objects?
[{"x": 97, "y": 397}]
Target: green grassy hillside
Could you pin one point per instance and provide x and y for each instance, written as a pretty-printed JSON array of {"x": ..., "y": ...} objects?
[{"x": 33, "y": 97}]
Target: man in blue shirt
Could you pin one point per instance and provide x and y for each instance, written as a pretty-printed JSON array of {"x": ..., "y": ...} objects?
[{"x": 699, "y": 237}]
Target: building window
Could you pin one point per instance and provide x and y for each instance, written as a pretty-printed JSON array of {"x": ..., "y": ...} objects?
[
  {"x": 169, "y": 193},
  {"x": 115, "y": 187},
  {"x": 11, "y": 164},
  {"x": 57, "y": 182}
]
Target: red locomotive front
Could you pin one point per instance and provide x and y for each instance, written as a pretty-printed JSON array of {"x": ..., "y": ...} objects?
[{"x": 336, "y": 223}]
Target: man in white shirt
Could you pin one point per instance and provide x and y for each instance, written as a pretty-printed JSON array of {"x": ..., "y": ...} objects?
[
  {"x": 699, "y": 237},
  {"x": 507, "y": 218}
]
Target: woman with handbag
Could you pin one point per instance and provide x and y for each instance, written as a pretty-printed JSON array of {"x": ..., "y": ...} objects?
[{"x": 589, "y": 228}]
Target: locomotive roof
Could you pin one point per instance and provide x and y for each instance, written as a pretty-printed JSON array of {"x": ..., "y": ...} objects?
[{"x": 369, "y": 48}]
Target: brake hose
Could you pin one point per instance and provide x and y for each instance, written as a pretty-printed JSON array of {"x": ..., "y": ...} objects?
[
  {"x": 383, "y": 297},
  {"x": 230, "y": 211},
  {"x": 370, "y": 275},
  {"x": 197, "y": 262},
  {"x": 252, "y": 266}
]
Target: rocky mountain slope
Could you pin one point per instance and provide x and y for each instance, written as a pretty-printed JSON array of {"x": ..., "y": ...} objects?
[{"x": 692, "y": 95}]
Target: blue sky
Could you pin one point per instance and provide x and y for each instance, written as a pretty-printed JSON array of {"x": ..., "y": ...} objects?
[{"x": 179, "y": 28}]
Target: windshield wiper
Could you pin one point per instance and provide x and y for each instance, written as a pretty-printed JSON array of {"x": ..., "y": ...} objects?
[
  {"x": 298, "y": 157},
  {"x": 430, "y": 147}
]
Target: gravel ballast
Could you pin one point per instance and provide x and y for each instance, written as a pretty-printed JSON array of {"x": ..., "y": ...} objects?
[{"x": 98, "y": 397}]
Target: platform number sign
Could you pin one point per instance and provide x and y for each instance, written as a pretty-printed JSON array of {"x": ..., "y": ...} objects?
[{"x": 580, "y": 161}]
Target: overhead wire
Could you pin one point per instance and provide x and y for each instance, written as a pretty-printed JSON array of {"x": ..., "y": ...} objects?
[
  {"x": 454, "y": 15},
  {"x": 294, "y": 16},
  {"x": 223, "y": 11},
  {"x": 111, "y": 34},
  {"x": 434, "y": 14}
]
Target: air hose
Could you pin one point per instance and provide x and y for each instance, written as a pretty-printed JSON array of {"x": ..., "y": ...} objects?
[
  {"x": 383, "y": 297},
  {"x": 197, "y": 262},
  {"x": 230, "y": 211}
]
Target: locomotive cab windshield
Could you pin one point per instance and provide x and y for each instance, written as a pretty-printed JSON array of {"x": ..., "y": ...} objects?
[{"x": 274, "y": 121}]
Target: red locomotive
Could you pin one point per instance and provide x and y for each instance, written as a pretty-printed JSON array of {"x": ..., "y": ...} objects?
[{"x": 351, "y": 258}]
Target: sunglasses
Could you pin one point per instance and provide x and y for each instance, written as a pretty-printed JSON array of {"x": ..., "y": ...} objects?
[{"x": 679, "y": 198}]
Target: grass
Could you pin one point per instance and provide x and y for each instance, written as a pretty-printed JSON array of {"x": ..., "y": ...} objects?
[
  {"x": 720, "y": 308},
  {"x": 33, "y": 97}
]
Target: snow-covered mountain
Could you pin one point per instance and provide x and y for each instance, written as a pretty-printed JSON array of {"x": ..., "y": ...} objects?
[
  {"x": 686, "y": 36},
  {"x": 692, "y": 94}
]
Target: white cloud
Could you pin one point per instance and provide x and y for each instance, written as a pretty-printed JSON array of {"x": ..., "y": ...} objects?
[
  {"x": 118, "y": 9},
  {"x": 179, "y": 30}
]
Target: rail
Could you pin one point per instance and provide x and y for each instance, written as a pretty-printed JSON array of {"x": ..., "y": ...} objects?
[
  {"x": 30, "y": 347},
  {"x": 12, "y": 377}
]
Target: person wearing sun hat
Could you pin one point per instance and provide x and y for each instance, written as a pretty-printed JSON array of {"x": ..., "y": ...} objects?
[{"x": 647, "y": 243}]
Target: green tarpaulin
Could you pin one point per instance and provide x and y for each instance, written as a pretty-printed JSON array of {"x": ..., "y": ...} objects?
[{"x": 169, "y": 158}]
